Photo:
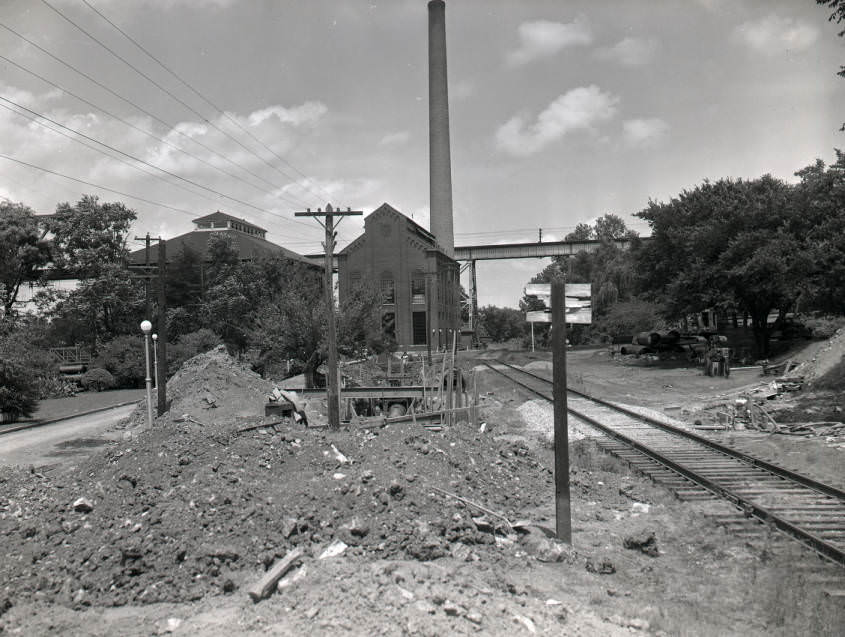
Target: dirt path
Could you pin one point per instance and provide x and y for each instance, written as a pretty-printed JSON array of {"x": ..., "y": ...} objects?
[{"x": 61, "y": 442}]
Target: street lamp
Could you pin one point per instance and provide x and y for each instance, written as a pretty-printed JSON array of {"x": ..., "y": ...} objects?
[
  {"x": 146, "y": 328},
  {"x": 155, "y": 359}
]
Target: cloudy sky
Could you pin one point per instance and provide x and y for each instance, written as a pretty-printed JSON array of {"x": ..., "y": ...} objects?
[{"x": 560, "y": 111}]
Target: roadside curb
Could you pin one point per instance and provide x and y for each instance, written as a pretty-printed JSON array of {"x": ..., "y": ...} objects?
[{"x": 41, "y": 423}]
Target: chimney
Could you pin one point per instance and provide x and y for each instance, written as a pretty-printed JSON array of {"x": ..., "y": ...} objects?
[{"x": 439, "y": 161}]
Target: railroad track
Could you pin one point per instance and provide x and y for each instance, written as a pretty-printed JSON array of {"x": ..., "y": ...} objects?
[{"x": 697, "y": 468}]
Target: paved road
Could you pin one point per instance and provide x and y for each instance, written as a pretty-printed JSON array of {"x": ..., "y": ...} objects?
[{"x": 61, "y": 442}]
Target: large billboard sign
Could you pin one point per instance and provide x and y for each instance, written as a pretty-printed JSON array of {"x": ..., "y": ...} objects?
[{"x": 579, "y": 308}]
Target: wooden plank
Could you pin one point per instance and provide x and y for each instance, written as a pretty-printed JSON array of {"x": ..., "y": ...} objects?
[{"x": 263, "y": 587}]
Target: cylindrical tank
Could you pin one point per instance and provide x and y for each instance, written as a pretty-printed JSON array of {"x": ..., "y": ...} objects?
[
  {"x": 647, "y": 339},
  {"x": 395, "y": 410}
]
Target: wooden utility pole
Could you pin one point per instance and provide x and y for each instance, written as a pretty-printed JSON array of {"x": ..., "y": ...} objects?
[
  {"x": 563, "y": 514},
  {"x": 161, "y": 360},
  {"x": 147, "y": 272},
  {"x": 332, "y": 392}
]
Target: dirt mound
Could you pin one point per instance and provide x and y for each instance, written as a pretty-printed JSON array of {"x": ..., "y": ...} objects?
[
  {"x": 184, "y": 509},
  {"x": 216, "y": 387}
]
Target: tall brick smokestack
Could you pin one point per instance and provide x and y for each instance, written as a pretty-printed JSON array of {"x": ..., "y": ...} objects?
[{"x": 439, "y": 160}]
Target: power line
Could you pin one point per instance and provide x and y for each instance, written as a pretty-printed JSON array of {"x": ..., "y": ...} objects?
[
  {"x": 123, "y": 161},
  {"x": 166, "y": 91},
  {"x": 141, "y": 161},
  {"x": 146, "y": 112},
  {"x": 137, "y": 159},
  {"x": 134, "y": 127},
  {"x": 93, "y": 185},
  {"x": 288, "y": 198},
  {"x": 200, "y": 95},
  {"x": 99, "y": 150}
]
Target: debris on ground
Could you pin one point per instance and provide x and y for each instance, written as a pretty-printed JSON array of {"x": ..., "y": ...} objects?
[{"x": 644, "y": 541}]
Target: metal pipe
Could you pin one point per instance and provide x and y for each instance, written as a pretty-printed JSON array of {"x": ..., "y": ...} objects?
[{"x": 155, "y": 360}]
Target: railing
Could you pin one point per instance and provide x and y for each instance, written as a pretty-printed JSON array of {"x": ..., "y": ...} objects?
[{"x": 71, "y": 355}]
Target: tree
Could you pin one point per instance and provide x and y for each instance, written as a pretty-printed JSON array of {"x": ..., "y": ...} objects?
[
  {"x": 90, "y": 243},
  {"x": 292, "y": 328},
  {"x": 502, "y": 323},
  {"x": 725, "y": 243},
  {"x": 582, "y": 232},
  {"x": 610, "y": 227},
  {"x": 359, "y": 323},
  {"x": 838, "y": 16},
  {"x": 820, "y": 199},
  {"x": 23, "y": 251},
  {"x": 223, "y": 257},
  {"x": 102, "y": 307},
  {"x": 184, "y": 278},
  {"x": 89, "y": 235}
]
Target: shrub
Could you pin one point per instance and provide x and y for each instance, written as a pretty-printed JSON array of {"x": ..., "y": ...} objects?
[
  {"x": 824, "y": 326},
  {"x": 628, "y": 318},
  {"x": 123, "y": 357},
  {"x": 18, "y": 389},
  {"x": 97, "y": 379},
  {"x": 42, "y": 369}
]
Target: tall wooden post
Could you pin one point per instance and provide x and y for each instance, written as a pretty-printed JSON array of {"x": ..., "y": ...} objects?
[
  {"x": 563, "y": 513},
  {"x": 161, "y": 368},
  {"x": 332, "y": 392}
]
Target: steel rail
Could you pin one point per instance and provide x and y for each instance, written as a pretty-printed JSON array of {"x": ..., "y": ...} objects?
[
  {"x": 821, "y": 487},
  {"x": 749, "y": 508}
]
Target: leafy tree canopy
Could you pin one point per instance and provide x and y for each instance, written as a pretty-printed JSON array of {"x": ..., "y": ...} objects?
[
  {"x": 23, "y": 251},
  {"x": 89, "y": 234}
]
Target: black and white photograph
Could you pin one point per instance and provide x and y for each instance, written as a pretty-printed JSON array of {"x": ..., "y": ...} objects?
[{"x": 422, "y": 318}]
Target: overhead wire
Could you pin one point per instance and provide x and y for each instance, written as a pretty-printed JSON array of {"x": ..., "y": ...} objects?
[
  {"x": 123, "y": 161},
  {"x": 166, "y": 91},
  {"x": 200, "y": 95},
  {"x": 99, "y": 186},
  {"x": 34, "y": 119},
  {"x": 290, "y": 198},
  {"x": 148, "y": 113},
  {"x": 132, "y": 157},
  {"x": 138, "y": 160},
  {"x": 138, "y": 128}
]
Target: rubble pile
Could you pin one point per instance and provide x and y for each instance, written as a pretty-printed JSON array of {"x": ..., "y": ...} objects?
[
  {"x": 200, "y": 505},
  {"x": 825, "y": 359}
]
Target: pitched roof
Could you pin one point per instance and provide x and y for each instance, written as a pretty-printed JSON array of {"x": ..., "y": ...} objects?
[
  {"x": 249, "y": 247},
  {"x": 387, "y": 209}
]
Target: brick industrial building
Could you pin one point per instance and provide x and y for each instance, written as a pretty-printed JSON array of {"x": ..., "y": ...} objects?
[{"x": 419, "y": 283}]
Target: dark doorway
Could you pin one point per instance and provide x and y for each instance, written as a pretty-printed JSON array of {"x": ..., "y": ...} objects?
[{"x": 418, "y": 319}]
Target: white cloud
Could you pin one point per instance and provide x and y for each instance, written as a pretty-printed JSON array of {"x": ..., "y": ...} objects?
[
  {"x": 578, "y": 109},
  {"x": 279, "y": 127},
  {"x": 773, "y": 33},
  {"x": 395, "y": 139},
  {"x": 543, "y": 38},
  {"x": 339, "y": 191},
  {"x": 307, "y": 113},
  {"x": 644, "y": 132},
  {"x": 630, "y": 51}
]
